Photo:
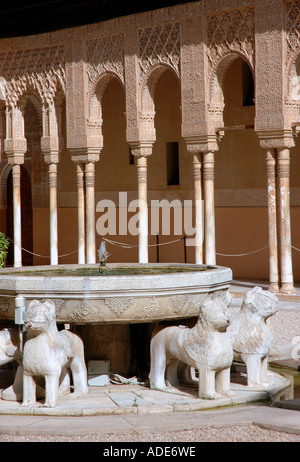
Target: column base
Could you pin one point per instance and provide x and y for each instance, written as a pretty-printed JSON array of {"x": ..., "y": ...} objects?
[
  {"x": 287, "y": 288},
  {"x": 273, "y": 287}
]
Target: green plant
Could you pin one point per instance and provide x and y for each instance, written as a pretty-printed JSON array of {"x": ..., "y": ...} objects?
[{"x": 4, "y": 244}]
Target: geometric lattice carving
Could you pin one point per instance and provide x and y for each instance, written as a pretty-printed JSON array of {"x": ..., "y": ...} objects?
[
  {"x": 38, "y": 69},
  {"x": 179, "y": 302},
  {"x": 105, "y": 54},
  {"x": 118, "y": 305},
  {"x": 293, "y": 26},
  {"x": 159, "y": 45},
  {"x": 293, "y": 45},
  {"x": 231, "y": 31}
]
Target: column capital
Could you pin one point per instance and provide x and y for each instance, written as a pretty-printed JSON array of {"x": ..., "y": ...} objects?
[
  {"x": 85, "y": 155},
  {"x": 15, "y": 149},
  {"x": 141, "y": 148},
  {"x": 203, "y": 143},
  {"x": 276, "y": 139},
  {"x": 51, "y": 146}
]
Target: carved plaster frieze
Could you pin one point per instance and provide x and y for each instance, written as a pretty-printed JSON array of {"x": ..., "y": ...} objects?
[
  {"x": 159, "y": 44},
  {"x": 292, "y": 102},
  {"x": 228, "y": 33},
  {"x": 105, "y": 54},
  {"x": 41, "y": 70},
  {"x": 293, "y": 27},
  {"x": 231, "y": 31}
]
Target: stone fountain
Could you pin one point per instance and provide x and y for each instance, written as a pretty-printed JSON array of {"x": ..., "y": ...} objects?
[
  {"x": 124, "y": 314},
  {"x": 104, "y": 303}
]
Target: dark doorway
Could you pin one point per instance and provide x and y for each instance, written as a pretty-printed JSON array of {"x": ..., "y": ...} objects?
[{"x": 26, "y": 219}]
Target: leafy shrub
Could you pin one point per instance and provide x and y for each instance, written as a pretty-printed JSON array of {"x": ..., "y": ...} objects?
[{"x": 4, "y": 244}]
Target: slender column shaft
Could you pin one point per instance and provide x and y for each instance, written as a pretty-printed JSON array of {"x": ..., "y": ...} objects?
[
  {"x": 287, "y": 283},
  {"x": 272, "y": 220},
  {"x": 198, "y": 209},
  {"x": 53, "y": 214},
  {"x": 16, "y": 175},
  {"x": 209, "y": 208},
  {"x": 90, "y": 212},
  {"x": 81, "y": 214},
  {"x": 143, "y": 206}
]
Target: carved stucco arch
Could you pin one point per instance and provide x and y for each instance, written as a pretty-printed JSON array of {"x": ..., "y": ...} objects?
[
  {"x": 5, "y": 169},
  {"x": 32, "y": 92},
  {"x": 97, "y": 91},
  {"x": 292, "y": 80},
  {"x": 49, "y": 90},
  {"x": 148, "y": 86},
  {"x": 36, "y": 102},
  {"x": 216, "y": 80}
]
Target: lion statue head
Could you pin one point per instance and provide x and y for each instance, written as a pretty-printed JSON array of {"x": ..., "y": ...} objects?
[
  {"x": 260, "y": 302},
  {"x": 40, "y": 317},
  {"x": 214, "y": 313}
]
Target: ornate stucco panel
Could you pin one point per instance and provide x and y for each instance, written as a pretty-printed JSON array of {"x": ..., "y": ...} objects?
[
  {"x": 105, "y": 60},
  {"x": 159, "y": 45},
  {"x": 158, "y": 48},
  {"x": 38, "y": 69},
  {"x": 104, "y": 54},
  {"x": 228, "y": 34},
  {"x": 293, "y": 61},
  {"x": 270, "y": 69}
]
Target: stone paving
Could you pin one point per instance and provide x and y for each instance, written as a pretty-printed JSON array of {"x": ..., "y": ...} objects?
[{"x": 140, "y": 399}]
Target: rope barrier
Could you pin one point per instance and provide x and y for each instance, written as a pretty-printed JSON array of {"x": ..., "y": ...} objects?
[
  {"x": 241, "y": 254},
  {"x": 128, "y": 246},
  {"x": 124, "y": 245},
  {"x": 43, "y": 256}
]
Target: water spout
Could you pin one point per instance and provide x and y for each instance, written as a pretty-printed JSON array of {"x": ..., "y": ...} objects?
[{"x": 102, "y": 256}]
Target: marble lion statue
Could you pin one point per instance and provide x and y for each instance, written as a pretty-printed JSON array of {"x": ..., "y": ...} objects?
[
  {"x": 9, "y": 346},
  {"x": 204, "y": 347},
  {"x": 250, "y": 336},
  {"x": 10, "y": 353},
  {"x": 52, "y": 354}
]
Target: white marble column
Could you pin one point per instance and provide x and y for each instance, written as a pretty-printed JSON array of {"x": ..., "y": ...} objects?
[
  {"x": 15, "y": 146},
  {"x": 16, "y": 177},
  {"x": 81, "y": 213},
  {"x": 143, "y": 206},
  {"x": 283, "y": 171},
  {"x": 198, "y": 208},
  {"x": 272, "y": 220},
  {"x": 90, "y": 212},
  {"x": 53, "y": 213},
  {"x": 209, "y": 208}
]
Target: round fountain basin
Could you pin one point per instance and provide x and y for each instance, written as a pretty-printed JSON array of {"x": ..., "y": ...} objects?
[{"x": 131, "y": 293}]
